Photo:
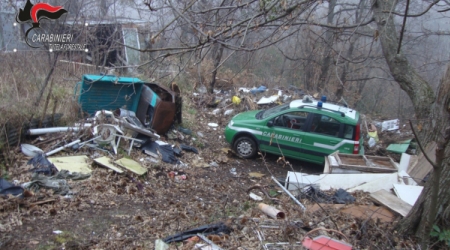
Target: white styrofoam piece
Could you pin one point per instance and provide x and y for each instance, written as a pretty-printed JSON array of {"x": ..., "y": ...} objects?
[
  {"x": 408, "y": 193},
  {"x": 296, "y": 180},
  {"x": 267, "y": 100},
  {"x": 404, "y": 162},
  {"x": 386, "y": 183},
  {"x": 390, "y": 125},
  {"x": 347, "y": 181}
]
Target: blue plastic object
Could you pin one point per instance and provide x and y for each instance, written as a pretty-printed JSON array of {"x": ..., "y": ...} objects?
[
  {"x": 108, "y": 92},
  {"x": 260, "y": 89}
]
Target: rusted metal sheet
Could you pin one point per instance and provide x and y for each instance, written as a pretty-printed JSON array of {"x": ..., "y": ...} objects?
[{"x": 163, "y": 117}]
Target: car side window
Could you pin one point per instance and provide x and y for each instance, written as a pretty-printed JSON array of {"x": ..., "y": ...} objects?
[
  {"x": 322, "y": 124},
  {"x": 292, "y": 120}
]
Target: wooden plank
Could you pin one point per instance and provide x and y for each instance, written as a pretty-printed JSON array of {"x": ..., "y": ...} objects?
[
  {"x": 368, "y": 169},
  {"x": 391, "y": 201},
  {"x": 131, "y": 165},
  {"x": 77, "y": 163},
  {"x": 107, "y": 162},
  {"x": 421, "y": 169}
]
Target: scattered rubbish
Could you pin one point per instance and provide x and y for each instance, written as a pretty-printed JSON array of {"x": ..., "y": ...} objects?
[
  {"x": 57, "y": 183},
  {"x": 255, "y": 197},
  {"x": 214, "y": 164},
  {"x": 372, "y": 142},
  {"x": 372, "y": 132},
  {"x": 288, "y": 193},
  {"x": 131, "y": 165},
  {"x": 188, "y": 148},
  {"x": 228, "y": 112},
  {"x": 258, "y": 90},
  {"x": 212, "y": 246},
  {"x": 216, "y": 111},
  {"x": 233, "y": 171},
  {"x": 268, "y": 100},
  {"x": 408, "y": 193},
  {"x": 200, "y": 134},
  {"x": 160, "y": 148},
  {"x": 296, "y": 181},
  {"x": 177, "y": 151},
  {"x": 107, "y": 162},
  {"x": 256, "y": 175},
  {"x": 343, "y": 197},
  {"x": 30, "y": 150},
  {"x": 399, "y": 147},
  {"x": 56, "y": 150},
  {"x": 323, "y": 242},
  {"x": 72, "y": 163},
  {"x": 161, "y": 245},
  {"x": 340, "y": 196},
  {"x": 42, "y": 165},
  {"x": 57, "y": 232},
  {"x": 391, "y": 201},
  {"x": 8, "y": 188},
  {"x": 185, "y": 130},
  {"x": 218, "y": 228},
  {"x": 271, "y": 211},
  {"x": 236, "y": 100},
  {"x": 211, "y": 124},
  {"x": 390, "y": 125}
]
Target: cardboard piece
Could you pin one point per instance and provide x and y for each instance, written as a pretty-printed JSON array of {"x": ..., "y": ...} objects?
[
  {"x": 391, "y": 201},
  {"x": 105, "y": 161},
  {"x": 408, "y": 193},
  {"x": 131, "y": 165},
  {"x": 72, "y": 163}
]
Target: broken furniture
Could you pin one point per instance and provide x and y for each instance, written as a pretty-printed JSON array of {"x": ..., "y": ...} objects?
[
  {"x": 337, "y": 163},
  {"x": 156, "y": 106}
]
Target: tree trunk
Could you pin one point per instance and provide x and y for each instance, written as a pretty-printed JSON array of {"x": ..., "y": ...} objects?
[
  {"x": 326, "y": 62},
  {"x": 217, "y": 56},
  {"x": 434, "y": 116}
]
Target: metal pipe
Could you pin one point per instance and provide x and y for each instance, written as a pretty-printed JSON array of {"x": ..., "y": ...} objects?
[
  {"x": 40, "y": 131},
  {"x": 289, "y": 193},
  {"x": 56, "y": 150}
]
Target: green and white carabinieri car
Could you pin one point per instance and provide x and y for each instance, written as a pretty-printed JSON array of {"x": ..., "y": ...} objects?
[{"x": 305, "y": 129}]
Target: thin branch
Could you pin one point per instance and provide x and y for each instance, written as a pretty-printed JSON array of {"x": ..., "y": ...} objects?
[
  {"x": 403, "y": 27},
  {"x": 419, "y": 14},
  {"x": 420, "y": 146}
]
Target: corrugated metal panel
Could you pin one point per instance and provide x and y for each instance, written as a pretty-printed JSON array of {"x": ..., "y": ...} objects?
[{"x": 109, "y": 93}]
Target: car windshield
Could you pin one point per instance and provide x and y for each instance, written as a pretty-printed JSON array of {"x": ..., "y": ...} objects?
[{"x": 268, "y": 112}]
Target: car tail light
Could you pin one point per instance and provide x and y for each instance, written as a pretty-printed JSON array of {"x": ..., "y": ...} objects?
[{"x": 357, "y": 136}]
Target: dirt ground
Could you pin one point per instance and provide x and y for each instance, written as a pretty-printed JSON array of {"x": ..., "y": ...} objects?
[{"x": 126, "y": 211}]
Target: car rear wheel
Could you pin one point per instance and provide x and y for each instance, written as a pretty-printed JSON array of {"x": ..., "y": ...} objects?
[{"x": 245, "y": 147}]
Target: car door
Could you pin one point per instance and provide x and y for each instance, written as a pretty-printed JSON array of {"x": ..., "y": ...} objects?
[
  {"x": 322, "y": 138},
  {"x": 284, "y": 133}
]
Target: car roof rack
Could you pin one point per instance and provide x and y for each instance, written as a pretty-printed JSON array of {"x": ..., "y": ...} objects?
[{"x": 312, "y": 106}]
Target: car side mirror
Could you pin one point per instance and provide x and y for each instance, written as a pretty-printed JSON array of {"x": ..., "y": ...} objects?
[{"x": 270, "y": 123}]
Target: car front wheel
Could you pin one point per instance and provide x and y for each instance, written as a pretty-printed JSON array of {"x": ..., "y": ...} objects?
[{"x": 245, "y": 147}]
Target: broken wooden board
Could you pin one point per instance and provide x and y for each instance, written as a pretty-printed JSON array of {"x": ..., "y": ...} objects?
[
  {"x": 131, "y": 165},
  {"x": 105, "y": 161},
  {"x": 72, "y": 163},
  {"x": 391, "y": 201},
  {"x": 421, "y": 169},
  {"x": 360, "y": 211},
  {"x": 408, "y": 193},
  {"x": 366, "y": 163}
]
